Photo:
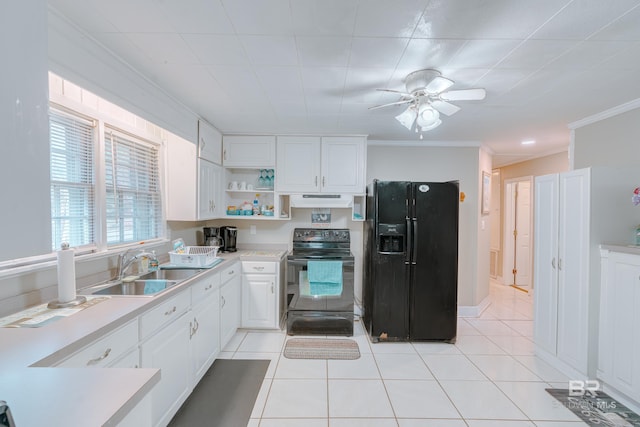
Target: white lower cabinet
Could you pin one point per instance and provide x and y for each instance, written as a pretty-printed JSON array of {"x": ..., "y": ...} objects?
[
  {"x": 109, "y": 351},
  {"x": 170, "y": 351},
  {"x": 619, "y": 337},
  {"x": 229, "y": 303},
  {"x": 205, "y": 328},
  {"x": 260, "y": 295}
]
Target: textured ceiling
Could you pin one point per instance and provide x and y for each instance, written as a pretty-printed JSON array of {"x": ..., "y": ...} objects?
[{"x": 312, "y": 66}]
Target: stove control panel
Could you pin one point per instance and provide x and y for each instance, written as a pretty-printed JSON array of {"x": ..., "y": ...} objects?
[{"x": 321, "y": 235}]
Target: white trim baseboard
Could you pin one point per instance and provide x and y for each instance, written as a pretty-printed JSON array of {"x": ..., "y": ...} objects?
[{"x": 474, "y": 310}]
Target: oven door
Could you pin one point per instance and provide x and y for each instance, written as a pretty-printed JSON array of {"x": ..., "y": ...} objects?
[{"x": 301, "y": 296}]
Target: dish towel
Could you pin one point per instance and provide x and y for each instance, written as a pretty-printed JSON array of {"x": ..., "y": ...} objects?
[{"x": 325, "y": 278}]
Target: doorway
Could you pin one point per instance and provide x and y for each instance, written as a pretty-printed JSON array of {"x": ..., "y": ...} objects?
[{"x": 517, "y": 258}]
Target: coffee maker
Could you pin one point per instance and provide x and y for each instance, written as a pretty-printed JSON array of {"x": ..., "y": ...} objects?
[
  {"x": 212, "y": 236},
  {"x": 229, "y": 236}
]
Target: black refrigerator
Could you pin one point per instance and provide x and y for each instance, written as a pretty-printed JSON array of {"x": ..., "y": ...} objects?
[{"x": 410, "y": 275}]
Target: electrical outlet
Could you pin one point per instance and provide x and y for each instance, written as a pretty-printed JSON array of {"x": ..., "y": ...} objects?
[{"x": 252, "y": 229}]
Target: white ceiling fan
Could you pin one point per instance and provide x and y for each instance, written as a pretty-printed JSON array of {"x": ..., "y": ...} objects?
[{"x": 427, "y": 97}]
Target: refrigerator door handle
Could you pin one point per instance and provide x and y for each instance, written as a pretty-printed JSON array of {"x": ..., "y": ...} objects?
[
  {"x": 407, "y": 251},
  {"x": 414, "y": 250}
]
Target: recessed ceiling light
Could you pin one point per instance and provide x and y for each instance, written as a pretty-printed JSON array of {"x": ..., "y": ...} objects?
[{"x": 528, "y": 141}]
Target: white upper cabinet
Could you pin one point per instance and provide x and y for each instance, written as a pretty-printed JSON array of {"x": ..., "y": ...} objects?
[
  {"x": 181, "y": 179},
  {"x": 249, "y": 151},
  {"x": 193, "y": 185},
  {"x": 343, "y": 159},
  {"x": 209, "y": 190},
  {"x": 209, "y": 143},
  {"x": 321, "y": 164},
  {"x": 298, "y": 160}
]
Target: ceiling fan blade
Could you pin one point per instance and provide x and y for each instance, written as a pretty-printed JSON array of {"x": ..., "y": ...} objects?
[
  {"x": 445, "y": 108},
  {"x": 409, "y": 95},
  {"x": 405, "y": 101},
  {"x": 438, "y": 84},
  {"x": 464, "y": 95}
]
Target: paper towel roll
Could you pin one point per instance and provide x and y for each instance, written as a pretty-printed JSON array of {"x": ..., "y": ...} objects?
[{"x": 66, "y": 274}]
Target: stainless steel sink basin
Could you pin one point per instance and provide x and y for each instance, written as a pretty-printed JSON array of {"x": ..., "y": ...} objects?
[
  {"x": 149, "y": 284},
  {"x": 172, "y": 274},
  {"x": 137, "y": 287}
]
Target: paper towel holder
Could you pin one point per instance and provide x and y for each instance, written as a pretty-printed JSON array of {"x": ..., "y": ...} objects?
[{"x": 74, "y": 302}]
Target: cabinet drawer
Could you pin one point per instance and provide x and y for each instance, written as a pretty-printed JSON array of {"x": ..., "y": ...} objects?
[
  {"x": 204, "y": 287},
  {"x": 230, "y": 272},
  {"x": 106, "y": 350},
  {"x": 166, "y": 312},
  {"x": 258, "y": 267}
]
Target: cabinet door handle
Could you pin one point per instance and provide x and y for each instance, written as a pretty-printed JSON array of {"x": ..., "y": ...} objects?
[
  {"x": 190, "y": 330},
  {"x": 323, "y": 181},
  {"x": 202, "y": 144},
  {"x": 99, "y": 359},
  {"x": 258, "y": 268},
  {"x": 224, "y": 301},
  {"x": 315, "y": 182},
  {"x": 169, "y": 312},
  {"x": 231, "y": 272},
  {"x": 553, "y": 262},
  {"x": 224, "y": 154},
  {"x": 559, "y": 263},
  {"x": 272, "y": 288},
  {"x": 208, "y": 287},
  {"x": 196, "y": 325}
]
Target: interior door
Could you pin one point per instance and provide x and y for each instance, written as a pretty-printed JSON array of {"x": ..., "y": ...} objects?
[
  {"x": 523, "y": 235},
  {"x": 518, "y": 230}
]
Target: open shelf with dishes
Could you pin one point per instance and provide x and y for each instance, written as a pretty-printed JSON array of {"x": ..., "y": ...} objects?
[{"x": 243, "y": 186}]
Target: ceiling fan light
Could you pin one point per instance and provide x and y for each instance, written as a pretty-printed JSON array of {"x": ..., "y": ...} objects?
[
  {"x": 427, "y": 116},
  {"x": 407, "y": 117},
  {"x": 433, "y": 125}
]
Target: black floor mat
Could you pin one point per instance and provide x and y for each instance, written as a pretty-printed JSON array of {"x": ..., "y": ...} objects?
[
  {"x": 596, "y": 408},
  {"x": 225, "y": 396}
]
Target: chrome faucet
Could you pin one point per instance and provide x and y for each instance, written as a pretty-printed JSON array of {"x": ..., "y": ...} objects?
[{"x": 126, "y": 259}]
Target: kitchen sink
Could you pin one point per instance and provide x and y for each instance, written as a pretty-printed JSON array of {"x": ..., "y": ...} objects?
[
  {"x": 172, "y": 274},
  {"x": 148, "y": 284},
  {"x": 137, "y": 287}
]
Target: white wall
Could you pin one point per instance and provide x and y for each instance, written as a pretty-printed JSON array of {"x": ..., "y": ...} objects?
[
  {"x": 74, "y": 56},
  {"x": 25, "y": 225},
  {"x": 609, "y": 142},
  {"x": 483, "y": 227},
  {"x": 394, "y": 161}
]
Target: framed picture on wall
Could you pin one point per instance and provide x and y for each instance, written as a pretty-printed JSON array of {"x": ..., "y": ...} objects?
[{"x": 486, "y": 192}]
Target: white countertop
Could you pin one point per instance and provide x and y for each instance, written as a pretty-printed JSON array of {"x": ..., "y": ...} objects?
[
  {"x": 627, "y": 249},
  {"x": 42, "y": 395}
]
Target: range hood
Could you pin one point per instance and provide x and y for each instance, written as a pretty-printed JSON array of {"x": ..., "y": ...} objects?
[{"x": 321, "y": 200}]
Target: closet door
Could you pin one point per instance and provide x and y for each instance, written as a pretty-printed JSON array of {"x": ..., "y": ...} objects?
[
  {"x": 573, "y": 268},
  {"x": 546, "y": 262}
]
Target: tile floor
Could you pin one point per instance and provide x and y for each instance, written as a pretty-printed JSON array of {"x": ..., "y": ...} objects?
[{"x": 489, "y": 378}]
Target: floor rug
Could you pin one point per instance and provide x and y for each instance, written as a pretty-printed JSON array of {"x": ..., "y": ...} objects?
[
  {"x": 318, "y": 348},
  {"x": 224, "y": 396},
  {"x": 596, "y": 408}
]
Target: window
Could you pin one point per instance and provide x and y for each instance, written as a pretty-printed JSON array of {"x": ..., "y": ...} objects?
[
  {"x": 72, "y": 179},
  {"x": 133, "y": 203},
  {"x": 100, "y": 200}
]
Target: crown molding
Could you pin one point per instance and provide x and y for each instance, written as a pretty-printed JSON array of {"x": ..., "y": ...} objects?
[{"x": 623, "y": 108}]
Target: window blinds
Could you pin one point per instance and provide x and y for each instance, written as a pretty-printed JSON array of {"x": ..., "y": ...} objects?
[
  {"x": 72, "y": 179},
  {"x": 133, "y": 203}
]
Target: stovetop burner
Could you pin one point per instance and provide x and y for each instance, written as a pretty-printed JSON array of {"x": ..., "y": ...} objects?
[{"x": 313, "y": 243}]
